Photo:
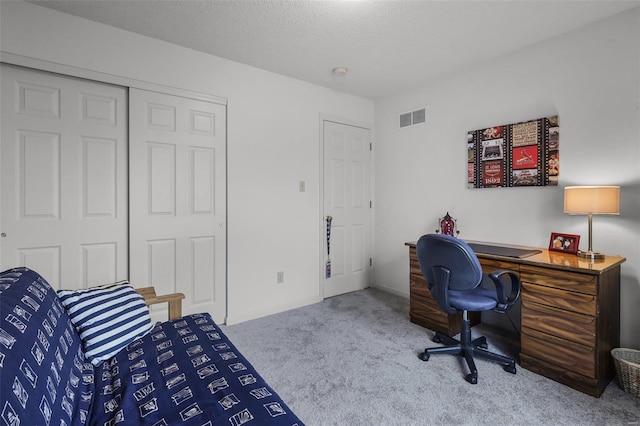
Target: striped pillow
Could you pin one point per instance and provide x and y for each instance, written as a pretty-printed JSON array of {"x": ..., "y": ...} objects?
[{"x": 107, "y": 318}]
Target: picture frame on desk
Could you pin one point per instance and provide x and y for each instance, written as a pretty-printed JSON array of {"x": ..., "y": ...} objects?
[{"x": 565, "y": 243}]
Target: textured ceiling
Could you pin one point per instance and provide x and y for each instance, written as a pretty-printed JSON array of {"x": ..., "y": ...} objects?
[{"x": 388, "y": 46}]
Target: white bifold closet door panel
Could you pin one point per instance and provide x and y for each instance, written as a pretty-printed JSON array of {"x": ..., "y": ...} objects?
[
  {"x": 178, "y": 198},
  {"x": 63, "y": 158}
]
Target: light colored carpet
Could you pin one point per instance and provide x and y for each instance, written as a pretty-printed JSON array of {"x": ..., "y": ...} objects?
[{"x": 352, "y": 360}]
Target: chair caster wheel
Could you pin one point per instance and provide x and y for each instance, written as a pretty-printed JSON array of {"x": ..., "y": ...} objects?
[
  {"x": 436, "y": 339},
  {"x": 472, "y": 379},
  {"x": 483, "y": 346},
  {"x": 424, "y": 356},
  {"x": 510, "y": 369}
]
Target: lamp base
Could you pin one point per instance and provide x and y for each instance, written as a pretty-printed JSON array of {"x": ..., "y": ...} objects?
[{"x": 590, "y": 254}]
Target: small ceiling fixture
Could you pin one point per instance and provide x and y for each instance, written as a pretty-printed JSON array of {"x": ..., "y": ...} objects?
[{"x": 340, "y": 71}]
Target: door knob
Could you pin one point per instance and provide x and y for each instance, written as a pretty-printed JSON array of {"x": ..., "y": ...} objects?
[{"x": 3, "y": 235}]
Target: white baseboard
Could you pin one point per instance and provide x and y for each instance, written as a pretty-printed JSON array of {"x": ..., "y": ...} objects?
[
  {"x": 391, "y": 290},
  {"x": 246, "y": 316},
  {"x": 259, "y": 313}
]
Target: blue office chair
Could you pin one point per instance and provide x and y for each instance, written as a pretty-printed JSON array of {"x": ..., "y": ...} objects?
[{"x": 454, "y": 275}]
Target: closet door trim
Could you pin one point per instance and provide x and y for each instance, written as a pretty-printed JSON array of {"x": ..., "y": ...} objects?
[{"x": 39, "y": 64}]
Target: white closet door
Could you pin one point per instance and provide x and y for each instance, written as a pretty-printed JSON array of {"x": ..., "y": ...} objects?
[
  {"x": 63, "y": 156},
  {"x": 178, "y": 199}
]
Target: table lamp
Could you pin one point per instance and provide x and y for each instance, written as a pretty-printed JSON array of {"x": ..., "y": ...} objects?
[{"x": 592, "y": 200}]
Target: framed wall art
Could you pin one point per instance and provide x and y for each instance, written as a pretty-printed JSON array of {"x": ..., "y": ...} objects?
[{"x": 520, "y": 154}]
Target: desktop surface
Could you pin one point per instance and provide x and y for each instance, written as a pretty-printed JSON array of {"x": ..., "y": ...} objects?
[
  {"x": 538, "y": 256},
  {"x": 503, "y": 251}
]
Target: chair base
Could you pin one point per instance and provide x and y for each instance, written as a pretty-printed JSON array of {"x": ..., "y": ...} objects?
[{"x": 468, "y": 349}]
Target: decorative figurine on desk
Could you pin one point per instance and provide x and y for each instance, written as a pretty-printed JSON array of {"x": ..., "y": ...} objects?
[{"x": 448, "y": 226}]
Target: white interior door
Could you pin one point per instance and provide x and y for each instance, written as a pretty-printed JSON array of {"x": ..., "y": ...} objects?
[
  {"x": 347, "y": 200},
  {"x": 178, "y": 198},
  {"x": 63, "y": 207}
]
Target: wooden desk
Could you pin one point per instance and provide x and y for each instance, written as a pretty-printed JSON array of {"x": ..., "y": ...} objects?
[{"x": 570, "y": 314}]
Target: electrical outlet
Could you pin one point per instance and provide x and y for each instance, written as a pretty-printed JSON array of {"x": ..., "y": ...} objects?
[{"x": 280, "y": 277}]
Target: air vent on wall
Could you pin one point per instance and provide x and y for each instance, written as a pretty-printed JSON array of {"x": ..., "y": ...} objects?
[{"x": 412, "y": 118}]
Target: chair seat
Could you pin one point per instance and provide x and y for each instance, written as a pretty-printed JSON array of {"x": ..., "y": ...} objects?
[{"x": 477, "y": 299}]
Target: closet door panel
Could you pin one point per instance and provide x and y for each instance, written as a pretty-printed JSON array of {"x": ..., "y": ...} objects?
[
  {"x": 63, "y": 158},
  {"x": 178, "y": 207}
]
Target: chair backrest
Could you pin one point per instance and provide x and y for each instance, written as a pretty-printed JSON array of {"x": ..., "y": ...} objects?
[{"x": 444, "y": 252}]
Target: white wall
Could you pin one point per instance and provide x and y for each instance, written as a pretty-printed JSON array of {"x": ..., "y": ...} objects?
[
  {"x": 273, "y": 142},
  {"x": 591, "y": 79}
]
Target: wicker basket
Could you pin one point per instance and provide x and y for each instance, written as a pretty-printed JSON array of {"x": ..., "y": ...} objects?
[{"x": 627, "y": 362}]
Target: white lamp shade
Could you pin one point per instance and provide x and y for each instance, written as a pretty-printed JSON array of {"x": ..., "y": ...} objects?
[{"x": 592, "y": 199}]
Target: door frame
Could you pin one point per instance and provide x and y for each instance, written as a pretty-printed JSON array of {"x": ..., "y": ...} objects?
[{"x": 321, "y": 215}]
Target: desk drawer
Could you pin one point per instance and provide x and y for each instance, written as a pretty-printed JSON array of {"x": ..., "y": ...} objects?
[
  {"x": 564, "y": 280},
  {"x": 420, "y": 299},
  {"x": 563, "y": 353},
  {"x": 414, "y": 263},
  {"x": 425, "y": 311},
  {"x": 428, "y": 308},
  {"x": 557, "y": 322},
  {"x": 490, "y": 265},
  {"x": 571, "y": 301},
  {"x": 418, "y": 285}
]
